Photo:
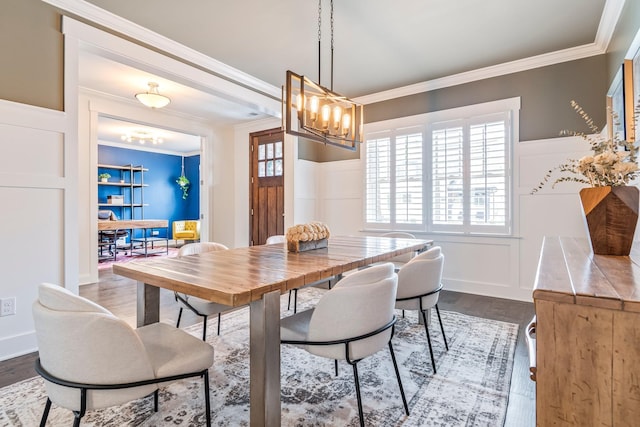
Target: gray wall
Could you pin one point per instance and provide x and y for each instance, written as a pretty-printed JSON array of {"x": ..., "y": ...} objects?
[
  {"x": 545, "y": 96},
  {"x": 31, "y": 43}
]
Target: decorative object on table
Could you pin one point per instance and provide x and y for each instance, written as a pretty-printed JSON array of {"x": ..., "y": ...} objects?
[
  {"x": 183, "y": 182},
  {"x": 610, "y": 206},
  {"x": 104, "y": 177},
  {"x": 612, "y": 215},
  {"x": 305, "y": 237}
]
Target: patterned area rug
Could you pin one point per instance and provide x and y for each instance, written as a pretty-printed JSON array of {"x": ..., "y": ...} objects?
[{"x": 471, "y": 387}]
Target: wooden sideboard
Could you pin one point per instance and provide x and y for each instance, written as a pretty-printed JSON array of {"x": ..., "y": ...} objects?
[{"x": 587, "y": 336}]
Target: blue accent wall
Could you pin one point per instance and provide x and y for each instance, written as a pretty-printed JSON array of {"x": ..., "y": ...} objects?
[{"x": 162, "y": 195}]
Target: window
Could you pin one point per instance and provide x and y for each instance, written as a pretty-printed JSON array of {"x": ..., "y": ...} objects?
[{"x": 450, "y": 173}]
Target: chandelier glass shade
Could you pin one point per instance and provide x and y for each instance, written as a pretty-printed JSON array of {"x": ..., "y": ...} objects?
[
  {"x": 322, "y": 115},
  {"x": 152, "y": 98}
]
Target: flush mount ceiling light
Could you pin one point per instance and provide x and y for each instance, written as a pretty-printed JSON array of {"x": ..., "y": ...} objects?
[
  {"x": 152, "y": 98},
  {"x": 322, "y": 114},
  {"x": 141, "y": 137}
]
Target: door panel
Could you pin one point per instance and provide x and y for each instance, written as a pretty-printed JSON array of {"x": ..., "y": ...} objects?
[{"x": 267, "y": 185}]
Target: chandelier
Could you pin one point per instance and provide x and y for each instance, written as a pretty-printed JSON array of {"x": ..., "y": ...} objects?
[
  {"x": 141, "y": 137},
  {"x": 152, "y": 98},
  {"x": 322, "y": 114}
]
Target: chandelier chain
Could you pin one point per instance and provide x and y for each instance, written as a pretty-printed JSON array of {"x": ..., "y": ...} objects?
[{"x": 331, "y": 44}]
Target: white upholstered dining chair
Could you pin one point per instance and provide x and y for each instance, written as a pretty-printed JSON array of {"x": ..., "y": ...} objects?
[
  {"x": 351, "y": 321},
  {"x": 199, "y": 306},
  {"x": 419, "y": 286},
  {"x": 276, "y": 239},
  {"x": 400, "y": 260},
  {"x": 90, "y": 359}
]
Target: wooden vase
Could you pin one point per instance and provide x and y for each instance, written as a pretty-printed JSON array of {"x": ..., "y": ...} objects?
[{"x": 611, "y": 214}]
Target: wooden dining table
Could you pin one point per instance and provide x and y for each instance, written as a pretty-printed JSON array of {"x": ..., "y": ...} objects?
[{"x": 257, "y": 276}]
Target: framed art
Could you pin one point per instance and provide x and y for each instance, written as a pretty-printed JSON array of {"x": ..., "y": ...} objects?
[
  {"x": 629, "y": 100},
  {"x": 635, "y": 64},
  {"x": 615, "y": 106}
]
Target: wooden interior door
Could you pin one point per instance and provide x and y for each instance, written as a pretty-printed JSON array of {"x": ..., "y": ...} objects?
[{"x": 267, "y": 185}]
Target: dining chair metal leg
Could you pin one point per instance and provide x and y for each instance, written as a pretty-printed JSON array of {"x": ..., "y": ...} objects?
[
  {"x": 336, "y": 366},
  {"x": 207, "y": 403},
  {"x": 395, "y": 366},
  {"x": 179, "y": 317},
  {"x": 444, "y": 337},
  {"x": 76, "y": 419},
  {"x": 45, "y": 414},
  {"x": 295, "y": 301},
  {"x": 204, "y": 329},
  {"x": 155, "y": 401},
  {"x": 359, "y": 398},
  {"x": 426, "y": 328},
  {"x": 289, "y": 302},
  {"x": 219, "y": 316}
]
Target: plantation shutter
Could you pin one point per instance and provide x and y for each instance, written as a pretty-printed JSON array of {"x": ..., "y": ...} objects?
[
  {"x": 447, "y": 175},
  {"x": 408, "y": 182},
  {"x": 488, "y": 173},
  {"x": 378, "y": 181}
]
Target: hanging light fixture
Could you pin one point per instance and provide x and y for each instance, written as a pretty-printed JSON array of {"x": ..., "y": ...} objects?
[
  {"x": 152, "y": 98},
  {"x": 141, "y": 137},
  {"x": 322, "y": 114}
]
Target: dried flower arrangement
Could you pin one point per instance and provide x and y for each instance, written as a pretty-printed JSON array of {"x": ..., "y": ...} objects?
[{"x": 613, "y": 162}]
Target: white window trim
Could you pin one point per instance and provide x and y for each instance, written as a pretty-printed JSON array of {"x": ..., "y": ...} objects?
[{"x": 392, "y": 126}]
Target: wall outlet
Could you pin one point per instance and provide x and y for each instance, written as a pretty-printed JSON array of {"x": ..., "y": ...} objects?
[
  {"x": 155, "y": 233},
  {"x": 7, "y": 306}
]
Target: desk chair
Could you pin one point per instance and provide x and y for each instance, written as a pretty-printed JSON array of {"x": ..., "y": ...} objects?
[
  {"x": 200, "y": 306},
  {"x": 109, "y": 238},
  {"x": 419, "y": 286},
  {"x": 90, "y": 359},
  {"x": 351, "y": 321}
]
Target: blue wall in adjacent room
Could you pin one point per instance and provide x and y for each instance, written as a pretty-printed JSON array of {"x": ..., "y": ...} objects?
[{"x": 162, "y": 195}]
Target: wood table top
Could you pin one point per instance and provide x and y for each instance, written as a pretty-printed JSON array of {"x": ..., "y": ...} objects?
[
  {"x": 569, "y": 272},
  {"x": 238, "y": 276},
  {"x": 126, "y": 224}
]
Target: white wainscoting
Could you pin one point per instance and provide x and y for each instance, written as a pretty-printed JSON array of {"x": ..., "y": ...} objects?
[{"x": 34, "y": 185}]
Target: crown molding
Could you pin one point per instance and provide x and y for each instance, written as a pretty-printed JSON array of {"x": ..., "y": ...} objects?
[
  {"x": 101, "y": 17},
  {"x": 530, "y": 63}
]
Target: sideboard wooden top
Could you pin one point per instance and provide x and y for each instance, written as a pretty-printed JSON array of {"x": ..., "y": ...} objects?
[{"x": 569, "y": 272}]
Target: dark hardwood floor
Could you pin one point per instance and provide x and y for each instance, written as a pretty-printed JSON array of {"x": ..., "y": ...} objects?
[{"x": 118, "y": 294}]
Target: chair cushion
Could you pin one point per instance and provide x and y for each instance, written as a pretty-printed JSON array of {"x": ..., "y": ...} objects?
[
  {"x": 185, "y": 234},
  {"x": 173, "y": 351},
  {"x": 57, "y": 298}
]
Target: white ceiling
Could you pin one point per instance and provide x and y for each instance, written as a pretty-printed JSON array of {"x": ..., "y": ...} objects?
[{"x": 379, "y": 44}]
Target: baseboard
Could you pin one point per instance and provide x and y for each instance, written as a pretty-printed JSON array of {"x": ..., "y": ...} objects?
[
  {"x": 489, "y": 290},
  {"x": 18, "y": 345}
]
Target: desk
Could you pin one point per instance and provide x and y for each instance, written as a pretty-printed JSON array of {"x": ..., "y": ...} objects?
[
  {"x": 257, "y": 276},
  {"x": 136, "y": 224}
]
